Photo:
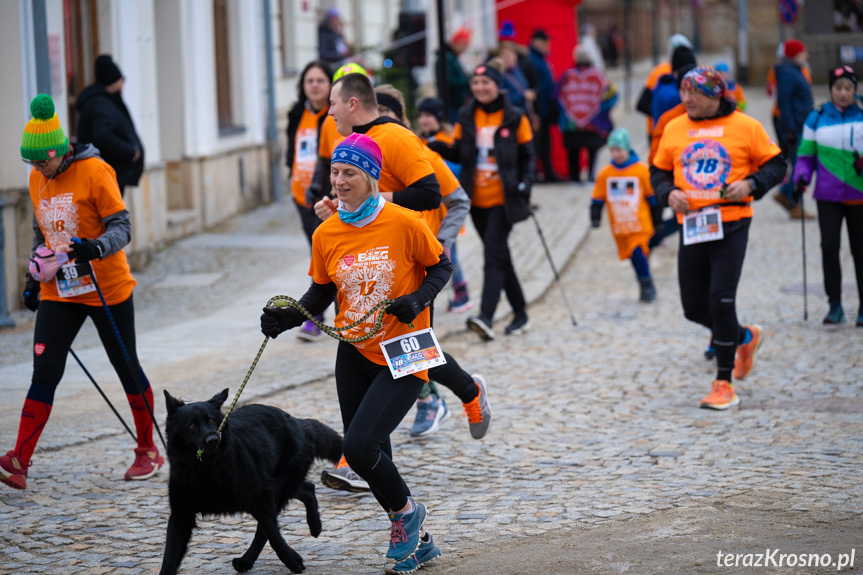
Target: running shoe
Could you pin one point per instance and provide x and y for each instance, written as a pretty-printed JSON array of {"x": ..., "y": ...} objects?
[
  {"x": 405, "y": 533},
  {"x": 310, "y": 331},
  {"x": 343, "y": 478},
  {"x": 427, "y": 551},
  {"x": 519, "y": 324},
  {"x": 147, "y": 463},
  {"x": 12, "y": 472},
  {"x": 722, "y": 396},
  {"x": 430, "y": 414},
  {"x": 481, "y": 325},
  {"x": 835, "y": 315},
  {"x": 478, "y": 411},
  {"x": 648, "y": 290},
  {"x": 745, "y": 358}
]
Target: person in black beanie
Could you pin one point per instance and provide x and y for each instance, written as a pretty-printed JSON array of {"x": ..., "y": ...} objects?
[{"x": 105, "y": 122}]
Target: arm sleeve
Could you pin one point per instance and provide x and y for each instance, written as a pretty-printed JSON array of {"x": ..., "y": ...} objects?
[
  {"x": 450, "y": 153},
  {"x": 769, "y": 174},
  {"x": 805, "y": 164},
  {"x": 423, "y": 194},
  {"x": 318, "y": 297},
  {"x": 320, "y": 185},
  {"x": 118, "y": 233},
  {"x": 596, "y": 210},
  {"x": 526, "y": 154},
  {"x": 38, "y": 236},
  {"x": 437, "y": 276},
  {"x": 662, "y": 182},
  {"x": 457, "y": 207},
  {"x": 645, "y": 101}
]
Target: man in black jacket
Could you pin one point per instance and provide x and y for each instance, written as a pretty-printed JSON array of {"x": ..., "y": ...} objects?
[{"x": 105, "y": 122}]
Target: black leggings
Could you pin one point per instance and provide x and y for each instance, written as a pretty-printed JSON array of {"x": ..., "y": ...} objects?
[
  {"x": 451, "y": 375},
  {"x": 830, "y": 217},
  {"x": 373, "y": 404},
  {"x": 708, "y": 274},
  {"x": 57, "y": 324},
  {"x": 499, "y": 273}
]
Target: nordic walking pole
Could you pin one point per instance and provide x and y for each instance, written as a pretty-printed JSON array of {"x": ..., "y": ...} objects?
[
  {"x": 805, "y": 287},
  {"x": 126, "y": 355},
  {"x": 553, "y": 268},
  {"x": 102, "y": 393}
]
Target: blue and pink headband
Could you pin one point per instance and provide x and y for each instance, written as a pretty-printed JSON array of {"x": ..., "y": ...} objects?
[{"x": 361, "y": 151}]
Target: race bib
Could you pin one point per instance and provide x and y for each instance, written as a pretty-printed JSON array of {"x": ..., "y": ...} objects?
[
  {"x": 702, "y": 226},
  {"x": 75, "y": 279},
  {"x": 412, "y": 352}
]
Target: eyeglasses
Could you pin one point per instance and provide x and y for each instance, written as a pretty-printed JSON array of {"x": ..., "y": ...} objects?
[
  {"x": 842, "y": 70},
  {"x": 35, "y": 163}
]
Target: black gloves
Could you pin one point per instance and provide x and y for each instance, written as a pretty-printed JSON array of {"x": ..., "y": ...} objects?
[
  {"x": 405, "y": 308},
  {"x": 84, "y": 251},
  {"x": 858, "y": 163},
  {"x": 275, "y": 320},
  {"x": 32, "y": 288},
  {"x": 524, "y": 188},
  {"x": 799, "y": 189},
  {"x": 791, "y": 139}
]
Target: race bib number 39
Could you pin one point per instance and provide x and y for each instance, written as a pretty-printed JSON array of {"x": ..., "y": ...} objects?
[
  {"x": 702, "y": 226},
  {"x": 75, "y": 279},
  {"x": 412, "y": 352}
]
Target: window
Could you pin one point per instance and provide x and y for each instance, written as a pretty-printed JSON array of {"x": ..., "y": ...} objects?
[
  {"x": 226, "y": 90},
  {"x": 81, "y": 21}
]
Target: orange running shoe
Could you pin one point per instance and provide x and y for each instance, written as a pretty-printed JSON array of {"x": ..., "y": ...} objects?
[
  {"x": 745, "y": 358},
  {"x": 722, "y": 396}
]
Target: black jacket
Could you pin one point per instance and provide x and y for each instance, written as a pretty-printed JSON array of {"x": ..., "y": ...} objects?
[
  {"x": 105, "y": 122},
  {"x": 515, "y": 162}
]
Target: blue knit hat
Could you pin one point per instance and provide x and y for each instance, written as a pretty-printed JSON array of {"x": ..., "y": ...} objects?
[{"x": 620, "y": 138}]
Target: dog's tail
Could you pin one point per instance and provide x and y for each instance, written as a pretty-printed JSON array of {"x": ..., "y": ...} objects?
[{"x": 326, "y": 441}]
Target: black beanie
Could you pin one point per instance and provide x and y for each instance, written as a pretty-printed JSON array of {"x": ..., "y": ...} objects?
[
  {"x": 681, "y": 57},
  {"x": 107, "y": 71},
  {"x": 433, "y": 106},
  {"x": 488, "y": 71},
  {"x": 842, "y": 72}
]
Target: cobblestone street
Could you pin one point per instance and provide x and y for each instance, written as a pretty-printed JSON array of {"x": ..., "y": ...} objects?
[{"x": 598, "y": 461}]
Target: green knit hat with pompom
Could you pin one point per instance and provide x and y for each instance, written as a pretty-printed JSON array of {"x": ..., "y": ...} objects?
[{"x": 43, "y": 136}]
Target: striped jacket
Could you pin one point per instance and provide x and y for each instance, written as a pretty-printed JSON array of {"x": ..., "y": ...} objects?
[{"x": 830, "y": 139}]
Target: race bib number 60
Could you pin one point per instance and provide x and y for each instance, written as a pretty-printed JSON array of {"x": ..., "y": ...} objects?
[{"x": 412, "y": 352}]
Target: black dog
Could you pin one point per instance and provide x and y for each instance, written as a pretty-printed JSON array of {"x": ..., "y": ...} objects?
[{"x": 258, "y": 464}]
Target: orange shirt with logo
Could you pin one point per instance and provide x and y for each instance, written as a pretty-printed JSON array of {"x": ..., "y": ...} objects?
[
  {"x": 487, "y": 187},
  {"x": 625, "y": 192},
  {"x": 73, "y": 205},
  {"x": 305, "y": 154},
  {"x": 706, "y": 155},
  {"x": 382, "y": 260}
]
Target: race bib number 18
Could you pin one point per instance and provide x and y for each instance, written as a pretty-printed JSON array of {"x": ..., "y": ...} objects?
[{"x": 412, "y": 352}]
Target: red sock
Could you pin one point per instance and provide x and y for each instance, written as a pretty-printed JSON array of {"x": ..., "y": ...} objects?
[
  {"x": 34, "y": 416},
  {"x": 143, "y": 421}
]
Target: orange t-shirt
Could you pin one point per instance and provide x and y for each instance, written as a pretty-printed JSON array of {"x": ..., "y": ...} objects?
[
  {"x": 707, "y": 154},
  {"x": 658, "y": 71},
  {"x": 73, "y": 205},
  {"x": 487, "y": 187},
  {"x": 404, "y": 159},
  {"x": 383, "y": 260},
  {"x": 448, "y": 184},
  {"x": 625, "y": 191},
  {"x": 305, "y": 154}
]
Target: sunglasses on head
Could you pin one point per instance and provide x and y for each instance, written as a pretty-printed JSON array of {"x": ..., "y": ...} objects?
[
  {"x": 35, "y": 163},
  {"x": 843, "y": 69}
]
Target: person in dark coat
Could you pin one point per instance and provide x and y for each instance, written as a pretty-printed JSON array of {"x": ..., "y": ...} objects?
[
  {"x": 458, "y": 90},
  {"x": 794, "y": 98},
  {"x": 546, "y": 107},
  {"x": 332, "y": 46},
  {"x": 105, "y": 122}
]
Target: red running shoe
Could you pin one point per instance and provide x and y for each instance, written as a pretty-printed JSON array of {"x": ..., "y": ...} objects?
[
  {"x": 147, "y": 463},
  {"x": 12, "y": 472}
]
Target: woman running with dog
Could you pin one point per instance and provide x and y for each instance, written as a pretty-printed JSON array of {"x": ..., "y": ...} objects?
[
  {"x": 374, "y": 250},
  {"x": 75, "y": 195}
]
